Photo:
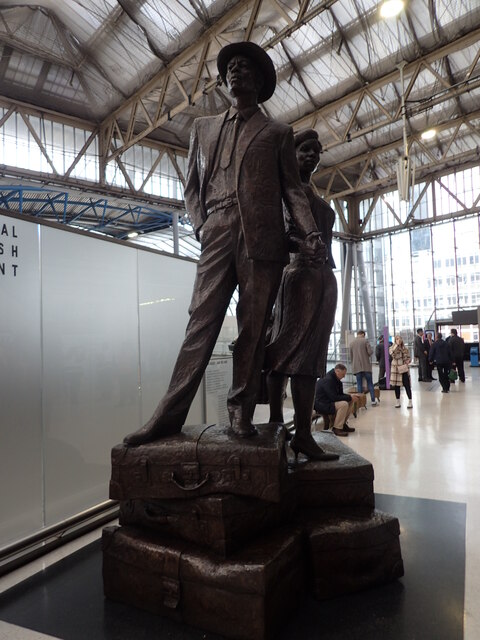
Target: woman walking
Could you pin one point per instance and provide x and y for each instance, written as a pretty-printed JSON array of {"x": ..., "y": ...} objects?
[{"x": 399, "y": 374}]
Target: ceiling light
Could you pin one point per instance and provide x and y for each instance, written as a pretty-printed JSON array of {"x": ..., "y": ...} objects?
[
  {"x": 429, "y": 134},
  {"x": 132, "y": 234},
  {"x": 391, "y": 8}
]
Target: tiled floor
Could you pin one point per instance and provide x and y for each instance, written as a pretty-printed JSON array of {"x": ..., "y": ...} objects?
[{"x": 431, "y": 451}]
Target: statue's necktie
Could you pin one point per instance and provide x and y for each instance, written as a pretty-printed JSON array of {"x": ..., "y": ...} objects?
[{"x": 230, "y": 142}]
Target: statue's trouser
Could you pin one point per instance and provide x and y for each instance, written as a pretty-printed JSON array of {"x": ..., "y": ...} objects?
[
  {"x": 422, "y": 367},
  {"x": 223, "y": 264},
  {"x": 276, "y": 384}
]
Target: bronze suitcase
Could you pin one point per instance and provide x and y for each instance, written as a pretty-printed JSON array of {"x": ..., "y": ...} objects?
[
  {"x": 351, "y": 553},
  {"x": 247, "y": 597},
  {"x": 346, "y": 482},
  {"x": 202, "y": 460},
  {"x": 222, "y": 523}
]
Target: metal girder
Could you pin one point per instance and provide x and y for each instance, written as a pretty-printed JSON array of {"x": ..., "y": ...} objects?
[
  {"x": 26, "y": 111},
  {"x": 412, "y": 70},
  {"x": 91, "y": 213},
  {"x": 23, "y": 47},
  {"x": 195, "y": 56},
  {"x": 73, "y": 62},
  {"x": 411, "y": 222},
  {"x": 362, "y": 183}
]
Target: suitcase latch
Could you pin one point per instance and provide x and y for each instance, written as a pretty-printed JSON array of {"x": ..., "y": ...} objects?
[
  {"x": 191, "y": 479},
  {"x": 190, "y": 472}
]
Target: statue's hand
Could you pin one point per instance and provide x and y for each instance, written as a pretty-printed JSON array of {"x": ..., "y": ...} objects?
[
  {"x": 295, "y": 243},
  {"x": 314, "y": 247}
]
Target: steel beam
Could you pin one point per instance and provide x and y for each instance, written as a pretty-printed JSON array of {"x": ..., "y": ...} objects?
[
  {"x": 195, "y": 56},
  {"x": 364, "y": 160},
  {"x": 410, "y": 69}
]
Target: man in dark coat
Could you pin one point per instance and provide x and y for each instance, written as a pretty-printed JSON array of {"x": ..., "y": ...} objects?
[
  {"x": 242, "y": 169},
  {"x": 441, "y": 356},
  {"x": 331, "y": 400},
  {"x": 421, "y": 354},
  {"x": 457, "y": 352},
  {"x": 427, "y": 344},
  {"x": 380, "y": 357}
]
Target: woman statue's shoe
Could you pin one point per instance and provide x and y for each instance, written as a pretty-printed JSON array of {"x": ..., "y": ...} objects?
[{"x": 310, "y": 449}]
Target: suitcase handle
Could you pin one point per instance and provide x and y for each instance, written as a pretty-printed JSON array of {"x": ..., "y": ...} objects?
[
  {"x": 191, "y": 487},
  {"x": 160, "y": 516}
]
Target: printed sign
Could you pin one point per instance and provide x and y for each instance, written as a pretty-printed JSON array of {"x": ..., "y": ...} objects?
[
  {"x": 9, "y": 248},
  {"x": 218, "y": 378}
]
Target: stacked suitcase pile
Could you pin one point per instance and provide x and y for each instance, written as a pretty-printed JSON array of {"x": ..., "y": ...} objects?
[{"x": 225, "y": 535}]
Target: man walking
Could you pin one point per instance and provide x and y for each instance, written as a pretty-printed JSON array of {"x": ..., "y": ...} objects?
[
  {"x": 440, "y": 355},
  {"x": 421, "y": 354},
  {"x": 242, "y": 169},
  {"x": 457, "y": 352},
  {"x": 360, "y": 352}
]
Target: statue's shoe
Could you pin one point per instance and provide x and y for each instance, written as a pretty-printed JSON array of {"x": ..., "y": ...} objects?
[
  {"x": 243, "y": 428},
  {"x": 310, "y": 449},
  {"x": 151, "y": 432}
]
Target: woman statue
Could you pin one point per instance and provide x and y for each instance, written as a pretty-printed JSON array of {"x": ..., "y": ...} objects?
[{"x": 304, "y": 315}]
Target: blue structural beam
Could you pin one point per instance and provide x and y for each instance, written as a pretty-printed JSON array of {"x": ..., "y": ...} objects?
[{"x": 93, "y": 214}]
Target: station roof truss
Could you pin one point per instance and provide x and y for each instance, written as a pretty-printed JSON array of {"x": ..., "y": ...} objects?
[
  {"x": 99, "y": 214},
  {"x": 136, "y": 73}
]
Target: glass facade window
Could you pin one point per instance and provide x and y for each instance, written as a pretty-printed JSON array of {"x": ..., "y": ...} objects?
[
  {"x": 416, "y": 278},
  {"x": 59, "y": 146},
  {"x": 149, "y": 170},
  {"x": 41, "y": 144}
]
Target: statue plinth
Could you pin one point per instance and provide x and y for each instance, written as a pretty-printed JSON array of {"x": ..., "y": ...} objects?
[{"x": 217, "y": 531}]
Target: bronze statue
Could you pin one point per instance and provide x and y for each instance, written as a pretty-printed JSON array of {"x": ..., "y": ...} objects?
[
  {"x": 241, "y": 167},
  {"x": 304, "y": 314}
]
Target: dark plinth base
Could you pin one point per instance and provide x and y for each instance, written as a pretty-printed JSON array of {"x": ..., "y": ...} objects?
[
  {"x": 199, "y": 461},
  {"x": 346, "y": 482},
  {"x": 221, "y": 523},
  {"x": 246, "y": 597},
  {"x": 219, "y": 531},
  {"x": 350, "y": 553}
]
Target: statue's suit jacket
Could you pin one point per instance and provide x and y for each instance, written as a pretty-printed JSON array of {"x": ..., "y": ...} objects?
[{"x": 266, "y": 172}]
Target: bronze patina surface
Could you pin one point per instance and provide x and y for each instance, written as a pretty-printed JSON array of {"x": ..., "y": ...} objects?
[{"x": 241, "y": 173}]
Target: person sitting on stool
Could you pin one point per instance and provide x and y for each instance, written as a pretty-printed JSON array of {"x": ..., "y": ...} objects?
[{"x": 330, "y": 399}]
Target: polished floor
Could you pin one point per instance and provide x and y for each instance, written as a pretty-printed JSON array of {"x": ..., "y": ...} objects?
[{"x": 427, "y": 471}]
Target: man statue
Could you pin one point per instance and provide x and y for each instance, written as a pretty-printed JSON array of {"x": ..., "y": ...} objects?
[{"x": 241, "y": 166}]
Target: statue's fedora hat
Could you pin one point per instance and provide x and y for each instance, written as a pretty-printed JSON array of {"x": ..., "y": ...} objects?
[{"x": 259, "y": 56}]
